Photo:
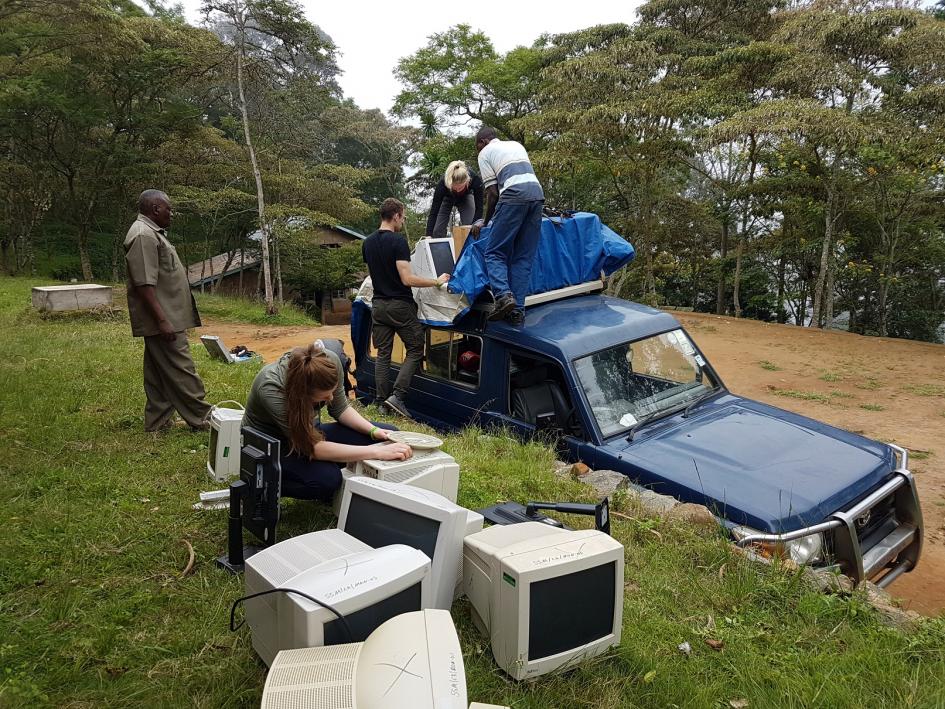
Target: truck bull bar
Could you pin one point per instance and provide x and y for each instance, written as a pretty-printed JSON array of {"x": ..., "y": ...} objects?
[{"x": 893, "y": 555}]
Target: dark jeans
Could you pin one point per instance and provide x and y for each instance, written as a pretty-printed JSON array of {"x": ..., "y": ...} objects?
[
  {"x": 400, "y": 317},
  {"x": 513, "y": 240},
  {"x": 465, "y": 205},
  {"x": 306, "y": 479}
]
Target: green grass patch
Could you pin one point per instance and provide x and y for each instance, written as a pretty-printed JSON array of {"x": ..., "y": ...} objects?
[
  {"x": 873, "y": 407},
  {"x": 870, "y": 383},
  {"x": 770, "y": 366},
  {"x": 841, "y": 394},
  {"x": 830, "y": 377},
  {"x": 926, "y": 389},
  {"x": 95, "y": 612},
  {"x": 804, "y": 395},
  {"x": 920, "y": 455},
  {"x": 243, "y": 310}
]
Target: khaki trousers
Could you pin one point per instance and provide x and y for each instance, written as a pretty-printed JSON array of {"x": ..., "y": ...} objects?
[{"x": 171, "y": 382}]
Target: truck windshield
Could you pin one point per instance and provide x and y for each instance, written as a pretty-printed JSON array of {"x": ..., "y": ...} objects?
[{"x": 644, "y": 378}]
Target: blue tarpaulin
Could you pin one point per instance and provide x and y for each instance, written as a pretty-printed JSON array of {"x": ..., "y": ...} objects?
[{"x": 571, "y": 250}]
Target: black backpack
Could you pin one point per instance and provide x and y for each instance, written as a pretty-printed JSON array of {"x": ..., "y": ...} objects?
[{"x": 338, "y": 347}]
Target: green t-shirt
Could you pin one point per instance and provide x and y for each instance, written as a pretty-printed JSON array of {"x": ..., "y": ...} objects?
[{"x": 265, "y": 407}]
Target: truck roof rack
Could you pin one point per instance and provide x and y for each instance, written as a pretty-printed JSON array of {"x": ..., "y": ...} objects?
[{"x": 551, "y": 295}]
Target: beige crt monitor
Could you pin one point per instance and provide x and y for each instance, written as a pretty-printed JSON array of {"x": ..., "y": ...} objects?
[
  {"x": 433, "y": 257},
  {"x": 412, "y": 661},
  {"x": 546, "y": 597},
  {"x": 366, "y": 585},
  {"x": 380, "y": 513},
  {"x": 223, "y": 453}
]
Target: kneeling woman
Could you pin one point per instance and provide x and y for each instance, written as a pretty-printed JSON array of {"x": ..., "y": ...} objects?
[{"x": 285, "y": 402}]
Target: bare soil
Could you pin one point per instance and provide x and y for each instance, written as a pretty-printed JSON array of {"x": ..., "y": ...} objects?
[{"x": 887, "y": 389}]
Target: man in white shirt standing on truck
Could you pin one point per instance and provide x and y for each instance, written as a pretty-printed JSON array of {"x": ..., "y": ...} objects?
[{"x": 515, "y": 199}]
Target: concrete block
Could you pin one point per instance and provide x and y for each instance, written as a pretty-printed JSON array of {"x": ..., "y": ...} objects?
[{"x": 80, "y": 296}]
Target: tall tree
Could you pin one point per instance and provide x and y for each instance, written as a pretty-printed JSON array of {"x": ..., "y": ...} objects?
[{"x": 273, "y": 38}]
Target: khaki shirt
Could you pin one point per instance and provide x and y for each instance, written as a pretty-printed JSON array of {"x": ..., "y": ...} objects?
[
  {"x": 151, "y": 260},
  {"x": 265, "y": 407}
]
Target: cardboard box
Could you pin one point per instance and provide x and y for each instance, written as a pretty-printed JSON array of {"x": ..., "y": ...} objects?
[{"x": 460, "y": 234}]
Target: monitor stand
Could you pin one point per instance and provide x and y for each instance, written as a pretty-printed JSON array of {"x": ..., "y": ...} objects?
[{"x": 237, "y": 554}]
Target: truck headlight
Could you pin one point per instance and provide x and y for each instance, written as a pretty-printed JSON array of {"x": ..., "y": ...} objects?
[{"x": 804, "y": 550}]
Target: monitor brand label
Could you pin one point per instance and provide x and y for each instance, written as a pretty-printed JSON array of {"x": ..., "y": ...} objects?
[
  {"x": 563, "y": 556},
  {"x": 350, "y": 587},
  {"x": 508, "y": 579}
]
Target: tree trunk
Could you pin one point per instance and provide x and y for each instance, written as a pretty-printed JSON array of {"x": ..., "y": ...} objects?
[
  {"x": 278, "y": 268},
  {"x": 781, "y": 312},
  {"x": 817, "y": 317},
  {"x": 737, "y": 280},
  {"x": 829, "y": 290},
  {"x": 260, "y": 197},
  {"x": 723, "y": 253}
]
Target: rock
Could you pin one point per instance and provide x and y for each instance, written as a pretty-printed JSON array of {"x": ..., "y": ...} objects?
[
  {"x": 696, "y": 515},
  {"x": 827, "y": 581},
  {"x": 884, "y": 604},
  {"x": 606, "y": 482}
]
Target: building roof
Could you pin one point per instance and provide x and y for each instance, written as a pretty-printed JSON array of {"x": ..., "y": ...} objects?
[
  {"x": 204, "y": 272},
  {"x": 301, "y": 222}
]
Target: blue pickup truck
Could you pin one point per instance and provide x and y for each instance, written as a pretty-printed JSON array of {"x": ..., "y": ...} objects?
[{"x": 624, "y": 387}]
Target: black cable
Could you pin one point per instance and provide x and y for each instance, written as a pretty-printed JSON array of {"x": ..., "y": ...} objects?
[{"x": 338, "y": 615}]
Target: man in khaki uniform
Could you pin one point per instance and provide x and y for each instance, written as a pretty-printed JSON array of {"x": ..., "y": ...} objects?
[{"x": 162, "y": 309}]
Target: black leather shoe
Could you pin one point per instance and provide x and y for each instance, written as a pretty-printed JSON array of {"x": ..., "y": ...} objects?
[{"x": 503, "y": 305}]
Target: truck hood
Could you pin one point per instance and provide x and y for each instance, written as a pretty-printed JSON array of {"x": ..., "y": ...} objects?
[{"x": 759, "y": 465}]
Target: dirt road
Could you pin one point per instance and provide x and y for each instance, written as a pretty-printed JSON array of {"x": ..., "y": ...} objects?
[{"x": 891, "y": 390}]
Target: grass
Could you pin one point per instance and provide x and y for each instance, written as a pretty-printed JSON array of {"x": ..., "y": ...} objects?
[
  {"x": 94, "y": 611},
  {"x": 804, "y": 395},
  {"x": 926, "y": 389},
  {"x": 873, "y": 407},
  {"x": 870, "y": 383},
  {"x": 219, "y": 307},
  {"x": 830, "y": 377},
  {"x": 770, "y": 366}
]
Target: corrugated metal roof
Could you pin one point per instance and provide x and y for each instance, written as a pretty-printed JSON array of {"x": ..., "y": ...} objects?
[{"x": 220, "y": 265}]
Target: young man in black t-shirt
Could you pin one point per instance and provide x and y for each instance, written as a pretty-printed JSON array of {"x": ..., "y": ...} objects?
[{"x": 393, "y": 309}]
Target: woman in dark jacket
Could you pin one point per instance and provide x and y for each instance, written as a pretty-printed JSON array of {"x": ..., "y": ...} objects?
[{"x": 460, "y": 187}]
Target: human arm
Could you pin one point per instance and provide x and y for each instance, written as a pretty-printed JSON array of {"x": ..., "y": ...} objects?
[
  {"x": 146, "y": 293},
  {"x": 408, "y": 278},
  {"x": 438, "y": 194},
  {"x": 142, "y": 261},
  {"x": 491, "y": 199},
  {"x": 356, "y": 422},
  {"x": 477, "y": 197}
]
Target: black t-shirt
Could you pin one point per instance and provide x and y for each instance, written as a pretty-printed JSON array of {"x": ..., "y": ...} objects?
[{"x": 381, "y": 252}]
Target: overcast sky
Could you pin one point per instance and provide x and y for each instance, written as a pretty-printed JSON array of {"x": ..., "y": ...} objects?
[{"x": 372, "y": 36}]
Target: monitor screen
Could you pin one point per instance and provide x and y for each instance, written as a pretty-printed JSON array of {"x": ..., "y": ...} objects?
[
  {"x": 442, "y": 254},
  {"x": 378, "y": 525},
  {"x": 566, "y": 612},
  {"x": 366, "y": 620},
  {"x": 214, "y": 438}
]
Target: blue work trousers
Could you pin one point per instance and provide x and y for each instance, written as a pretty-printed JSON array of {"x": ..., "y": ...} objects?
[
  {"x": 306, "y": 479},
  {"x": 513, "y": 240}
]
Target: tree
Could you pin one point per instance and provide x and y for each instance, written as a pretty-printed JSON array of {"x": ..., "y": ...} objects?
[{"x": 271, "y": 36}]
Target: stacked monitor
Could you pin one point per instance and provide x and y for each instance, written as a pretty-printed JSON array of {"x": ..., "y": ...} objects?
[
  {"x": 367, "y": 586},
  {"x": 223, "y": 458},
  {"x": 546, "y": 597},
  {"x": 380, "y": 513},
  {"x": 433, "y": 257},
  {"x": 413, "y": 661},
  {"x": 432, "y": 470}
]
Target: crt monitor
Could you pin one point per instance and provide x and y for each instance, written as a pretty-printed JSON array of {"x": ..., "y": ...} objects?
[
  {"x": 223, "y": 453},
  {"x": 366, "y": 586},
  {"x": 433, "y": 257},
  {"x": 261, "y": 472},
  {"x": 412, "y": 661},
  {"x": 546, "y": 597},
  {"x": 380, "y": 513}
]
